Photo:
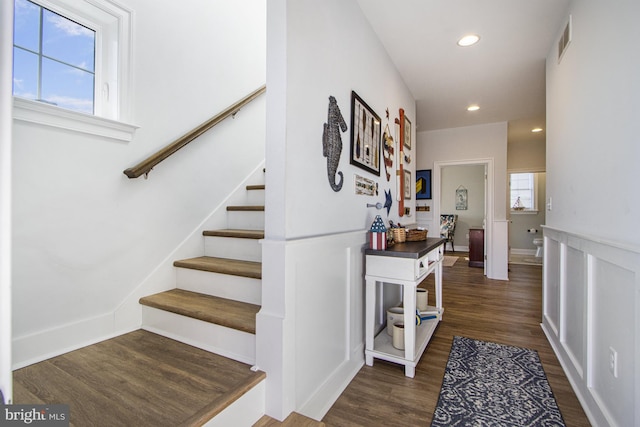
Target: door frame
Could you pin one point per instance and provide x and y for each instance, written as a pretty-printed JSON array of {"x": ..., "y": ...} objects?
[{"x": 488, "y": 164}]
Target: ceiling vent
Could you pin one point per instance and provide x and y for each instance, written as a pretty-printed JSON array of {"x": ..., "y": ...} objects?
[{"x": 565, "y": 39}]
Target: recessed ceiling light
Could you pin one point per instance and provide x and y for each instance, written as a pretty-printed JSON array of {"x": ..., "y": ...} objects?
[
  {"x": 536, "y": 130},
  {"x": 469, "y": 40},
  {"x": 473, "y": 107}
]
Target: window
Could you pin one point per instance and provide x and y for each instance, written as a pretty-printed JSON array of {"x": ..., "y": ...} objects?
[
  {"x": 523, "y": 190},
  {"x": 53, "y": 58},
  {"x": 71, "y": 65}
]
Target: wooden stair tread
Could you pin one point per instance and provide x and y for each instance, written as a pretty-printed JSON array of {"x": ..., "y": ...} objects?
[
  {"x": 249, "y": 208},
  {"x": 220, "y": 311},
  {"x": 241, "y": 234},
  {"x": 167, "y": 382},
  {"x": 255, "y": 187},
  {"x": 233, "y": 267},
  {"x": 293, "y": 420}
]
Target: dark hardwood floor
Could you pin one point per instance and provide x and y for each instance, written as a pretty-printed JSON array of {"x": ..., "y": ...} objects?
[{"x": 507, "y": 312}]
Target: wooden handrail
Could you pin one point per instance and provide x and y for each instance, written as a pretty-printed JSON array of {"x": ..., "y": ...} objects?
[{"x": 145, "y": 166}]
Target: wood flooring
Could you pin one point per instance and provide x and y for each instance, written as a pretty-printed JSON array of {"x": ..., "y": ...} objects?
[
  {"x": 137, "y": 379},
  {"x": 506, "y": 312},
  {"x": 143, "y": 379}
]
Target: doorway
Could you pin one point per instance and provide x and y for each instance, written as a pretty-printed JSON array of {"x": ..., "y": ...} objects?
[{"x": 487, "y": 201}]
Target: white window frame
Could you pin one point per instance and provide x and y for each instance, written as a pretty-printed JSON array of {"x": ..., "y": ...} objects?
[
  {"x": 534, "y": 198},
  {"x": 113, "y": 25}
]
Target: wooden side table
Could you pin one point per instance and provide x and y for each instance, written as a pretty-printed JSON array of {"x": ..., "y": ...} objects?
[{"x": 476, "y": 247}]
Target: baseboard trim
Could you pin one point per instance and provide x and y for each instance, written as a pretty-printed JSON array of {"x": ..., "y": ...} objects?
[
  {"x": 326, "y": 394},
  {"x": 568, "y": 369},
  {"x": 44, "y": 345}
]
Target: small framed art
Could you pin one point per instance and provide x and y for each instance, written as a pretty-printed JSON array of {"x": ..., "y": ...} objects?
[
  {"x": 423, "y": 184},
  {"x": 408, "y": 185},
  {"x": 407, "y": 133}
]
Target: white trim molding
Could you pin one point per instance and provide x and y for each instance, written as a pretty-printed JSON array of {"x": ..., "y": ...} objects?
[{"x": 48, "y": 115}]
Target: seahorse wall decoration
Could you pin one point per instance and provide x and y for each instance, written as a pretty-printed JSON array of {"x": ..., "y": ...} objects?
[{"x": 332, "y": 142}]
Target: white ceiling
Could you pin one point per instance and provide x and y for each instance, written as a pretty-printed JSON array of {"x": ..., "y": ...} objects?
[{"x": 503, "y": 73}]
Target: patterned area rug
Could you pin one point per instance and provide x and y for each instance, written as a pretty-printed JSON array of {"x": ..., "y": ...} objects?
[
  {"x": 489, "y": 384},
  {"x": 448, "y": 261}
]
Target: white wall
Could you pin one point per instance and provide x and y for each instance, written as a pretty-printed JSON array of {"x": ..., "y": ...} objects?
[
  {"x": 473, "y": 144},
  {"x": 592, "y": 124},
  {"x": 315, "y": 50},
  {"x": 85, "y": 236},
  {"x": 592, "y": 283},
  {"x": 526, "y": 156}
]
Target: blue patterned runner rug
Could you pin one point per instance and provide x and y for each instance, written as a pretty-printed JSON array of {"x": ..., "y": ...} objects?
[{"x": 489, "y": 384}]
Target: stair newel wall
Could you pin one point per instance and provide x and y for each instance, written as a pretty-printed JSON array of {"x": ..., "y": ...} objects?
[{"x": 313, "y": 298}]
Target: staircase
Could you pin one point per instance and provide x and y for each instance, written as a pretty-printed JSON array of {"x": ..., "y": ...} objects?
[{"x": 218, "y": 294}]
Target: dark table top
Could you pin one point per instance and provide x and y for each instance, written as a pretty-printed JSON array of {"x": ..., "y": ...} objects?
[{"x": 409, "y": 249}]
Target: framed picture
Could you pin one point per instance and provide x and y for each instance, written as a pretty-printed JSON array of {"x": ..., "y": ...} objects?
[
  {"x": 408, "y": 185},
  {"x": 423, "y": 184},
  {"x": 461, "y": 199},
  {"x": 407, "y": 133},
  {"x": 365, "y": 136},
  {"x": 365, "y": 186}
]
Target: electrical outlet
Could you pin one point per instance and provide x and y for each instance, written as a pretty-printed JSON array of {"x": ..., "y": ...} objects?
[
  {"x": 549, "y": 204},
  {"x": 613, "y": 362}
]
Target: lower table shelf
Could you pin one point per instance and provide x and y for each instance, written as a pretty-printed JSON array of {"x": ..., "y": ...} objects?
[{"x": 383, "y": 346}]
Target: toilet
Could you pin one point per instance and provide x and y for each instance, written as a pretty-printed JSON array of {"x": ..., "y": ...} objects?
[{"x": 538, "y": 241}]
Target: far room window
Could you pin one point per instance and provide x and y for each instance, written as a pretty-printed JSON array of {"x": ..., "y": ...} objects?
[
  {"x": 54, "y": 58},
  {"x": 523, "y": 192}
]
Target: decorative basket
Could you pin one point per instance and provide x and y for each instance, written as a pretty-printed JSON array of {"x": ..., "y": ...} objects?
[
  {"x": 399, "y": 234},
  {"x": 416, "y": 235}
]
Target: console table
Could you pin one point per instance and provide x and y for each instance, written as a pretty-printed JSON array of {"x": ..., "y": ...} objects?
[{"x": 407, "y": 265}]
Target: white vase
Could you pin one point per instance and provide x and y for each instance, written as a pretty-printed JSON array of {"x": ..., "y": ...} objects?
[
  {"x": 422, "y": 299},
  {"x": 398, "y": 335},
  {"x": 394, "y": 314}
]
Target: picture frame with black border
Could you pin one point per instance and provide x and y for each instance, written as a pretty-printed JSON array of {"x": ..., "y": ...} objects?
[
  {"x": 423, "y": 184},
  {"x": 365, "y": 136}
]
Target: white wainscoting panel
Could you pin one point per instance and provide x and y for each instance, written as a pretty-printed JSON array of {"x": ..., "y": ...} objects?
[
  {"x": 591, "y": 310},
  {"x": 329, "y": 314},
  {"x": 310, "y": 329}
]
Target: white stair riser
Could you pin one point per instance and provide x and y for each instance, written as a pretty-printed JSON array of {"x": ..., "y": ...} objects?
[
  {"x": 231, "y": 343},
  {"x": 246, "y": 411},
  {"x": 249, "y": 220},
  {"x": 245, "y": 289},
  {"x": 233, "y": 248},
  {"x": 255, "y": 197}
]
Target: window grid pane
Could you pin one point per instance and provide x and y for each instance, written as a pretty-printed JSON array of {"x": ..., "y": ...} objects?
[
  {"x": 25, "y": 74},
  {"x": 67, "y": 87},
  {"x": 67, "y": 41},
  {"x": 26, "y": 25}
]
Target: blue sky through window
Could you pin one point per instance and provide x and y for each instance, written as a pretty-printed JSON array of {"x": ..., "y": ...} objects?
[{"x": 54, "y": 58}]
